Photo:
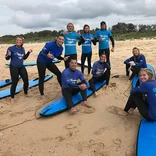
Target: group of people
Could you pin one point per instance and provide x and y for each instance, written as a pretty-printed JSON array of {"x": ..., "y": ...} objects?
[{"x": 68, "y": 79}]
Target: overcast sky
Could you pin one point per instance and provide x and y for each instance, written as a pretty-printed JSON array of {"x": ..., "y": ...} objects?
[{"x": 22, "y": 16}]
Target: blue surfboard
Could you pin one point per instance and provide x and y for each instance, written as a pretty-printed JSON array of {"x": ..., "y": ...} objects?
[
  {"x": 60, "y": 104},
  {"x": 136, "y": 78},
  {"x": 6, "y": 82},
  {"x": 32, "y": 83},
  {"x": 146, "y": 143},
  {"x": 34, "y": 63},
  {"x": 25, "y": 64}
]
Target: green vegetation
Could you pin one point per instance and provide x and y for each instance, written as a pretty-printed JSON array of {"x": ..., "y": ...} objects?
[{"x": 121, "y": 31}]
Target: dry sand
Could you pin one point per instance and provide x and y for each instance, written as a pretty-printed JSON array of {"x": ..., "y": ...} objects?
[{"x": 95, "y": 131}]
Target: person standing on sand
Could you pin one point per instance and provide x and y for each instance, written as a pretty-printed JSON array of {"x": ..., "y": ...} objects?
[
  {"x": 143, "y": 97},
  {"x": 135, "y": 63},
  {"x": 70, "y": 85},
  {"x": 17, "y": 55},
  {"x": 50, "y": 51},
  {"x": 71, "y": 37},
  {"x": 102, "y": 36},
  {"x": 86, "y": 41},
  {"x": 101, "y": 72}
]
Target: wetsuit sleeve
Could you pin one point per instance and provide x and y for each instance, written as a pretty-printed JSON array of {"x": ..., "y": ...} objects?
[
  {"x": 141, "y": 61},
  {"x": 96, "y": 37},
  {"x": 94, "y": 40},
  {"x": 129, "y": 60},
  {"x": 45, "y": 50},
  {"x": 82, "y": 78},
  {"x": 107, "y": 65},
  {"x": 6, "y": 56},
  {"x": 81, "y": 41},
  {"x": 141, "y": 89},
  {"x": 60, "y": 58},
  {"x": 68, "y": 80},
  {"x": 94, "y": 69},
  {"x": 112, "y": 40},
  {"x": 26, "y": 55}
]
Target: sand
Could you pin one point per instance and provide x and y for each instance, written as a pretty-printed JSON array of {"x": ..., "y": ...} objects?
[{"x": 95, "y": 131}]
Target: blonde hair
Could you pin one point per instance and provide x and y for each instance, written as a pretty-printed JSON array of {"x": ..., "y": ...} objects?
[
  {"x": 148, "y": 71},
  {"x": 136, "y": 49}
]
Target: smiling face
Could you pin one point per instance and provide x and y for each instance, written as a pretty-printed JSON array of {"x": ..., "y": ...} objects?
[
  {"x": 103, "y": 26},
  {"x": 60, "y": 40},
  {"x": 103, "y": 58},
  {"x": 73, "y": 64},
  {"x": 136, "y": 52},
  {"x": 143, "y": 76},
  {"x": 70, "y": 27},
  {"x": 86, "y": 29},
  {"x": 19, "y": 41}
]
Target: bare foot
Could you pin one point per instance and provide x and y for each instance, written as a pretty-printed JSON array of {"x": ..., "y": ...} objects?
[
  {"x": 131, "y": 110},
  {"x": 73, "y": 111},
  {"x": 96, "y": 94},
  {"x": 12, "y": 100},
  {"x": 121, "y": 112},
  {"x": 86, "y": 104}
]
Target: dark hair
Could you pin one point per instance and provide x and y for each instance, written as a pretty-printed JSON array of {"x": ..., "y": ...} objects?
[
  {"x": 62, "y": 35},
  {"x": 70, "y": 59},
  {"x": 103, "y": 22},
  {"x": 86, "y": 25},
  {"x": 102, "y": 54}
]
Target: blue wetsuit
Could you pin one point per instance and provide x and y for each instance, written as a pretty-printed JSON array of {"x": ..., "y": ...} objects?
[
  {"x": 105, "y": 35},
  {"x": 17, "y": 68},
  {"x": 140, "y": 62},
  {"x": 86, "y": 50},
  {"x": 149, "y": 89},
  {"x": 43, "y": 62},
  {"x": 71, "y": 87}
]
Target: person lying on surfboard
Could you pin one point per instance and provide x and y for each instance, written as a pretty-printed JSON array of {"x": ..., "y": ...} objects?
[
  {"x": 17, "y": 55},
  {"x": 86, "y": 42},
  {"x": 135, "y": 63},
  {"x": 101, "y": 72},
  {"x": 143, "y": 97},
  {"x": 70, "y": 85}
]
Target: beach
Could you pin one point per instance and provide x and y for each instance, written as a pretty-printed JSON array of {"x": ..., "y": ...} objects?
[{"x": 95, "y": 131}]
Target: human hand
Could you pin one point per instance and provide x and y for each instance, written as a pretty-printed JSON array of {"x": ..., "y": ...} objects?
[
  {"x": 9, "y": 53},
  {"x": 97, "y": 73},
  {"x": 50, "y": 55},
  {"x": 82, "y": 86},
  {"x": 112, "y": 50},
  {"x": 65, "y": 32},
  {"x": 79, "y": 33},
  {"x": 30, "y": 50},
  {"x": 101, "y": 39},
  {"x": 66, "y": 58}
]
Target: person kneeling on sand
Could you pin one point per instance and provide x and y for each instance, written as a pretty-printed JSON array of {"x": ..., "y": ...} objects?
[
  {"x": 101, "y": 72},
  {"x": 143, "y": 97},
  {"x": 70, "y": 85}
]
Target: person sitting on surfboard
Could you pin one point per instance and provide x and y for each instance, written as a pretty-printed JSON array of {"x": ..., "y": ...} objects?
[
  {"x": 17, "y": 55},
  {"x": 143, "y": 97},
  {"x": 50, "y": 51},
  {"x": 86, "y": 42},
  {"x": 101, "y": 72},
  {"x": 135, "y": 63},
  {"x": 71, "y": 86},
  {"x": 70, "y": 37}
]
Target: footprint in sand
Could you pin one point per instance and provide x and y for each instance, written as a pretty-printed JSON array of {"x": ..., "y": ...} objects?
[
  {"x": 117, "y": 141},
  {"x": 88, "y": 110},
  {"x": 96, "y": 145},
  {"x": 72, "y": 130},
  {"x": 16, "y": 114},
  {"x": 113, "y": 109},
  {"x": 70, "y": 126},
  {"x": 100, "y": 131},
  {"x": 60, "y": 138}
]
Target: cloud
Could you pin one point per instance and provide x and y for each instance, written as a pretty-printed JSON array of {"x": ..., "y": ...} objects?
[{"x": 32, "y": 14}]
